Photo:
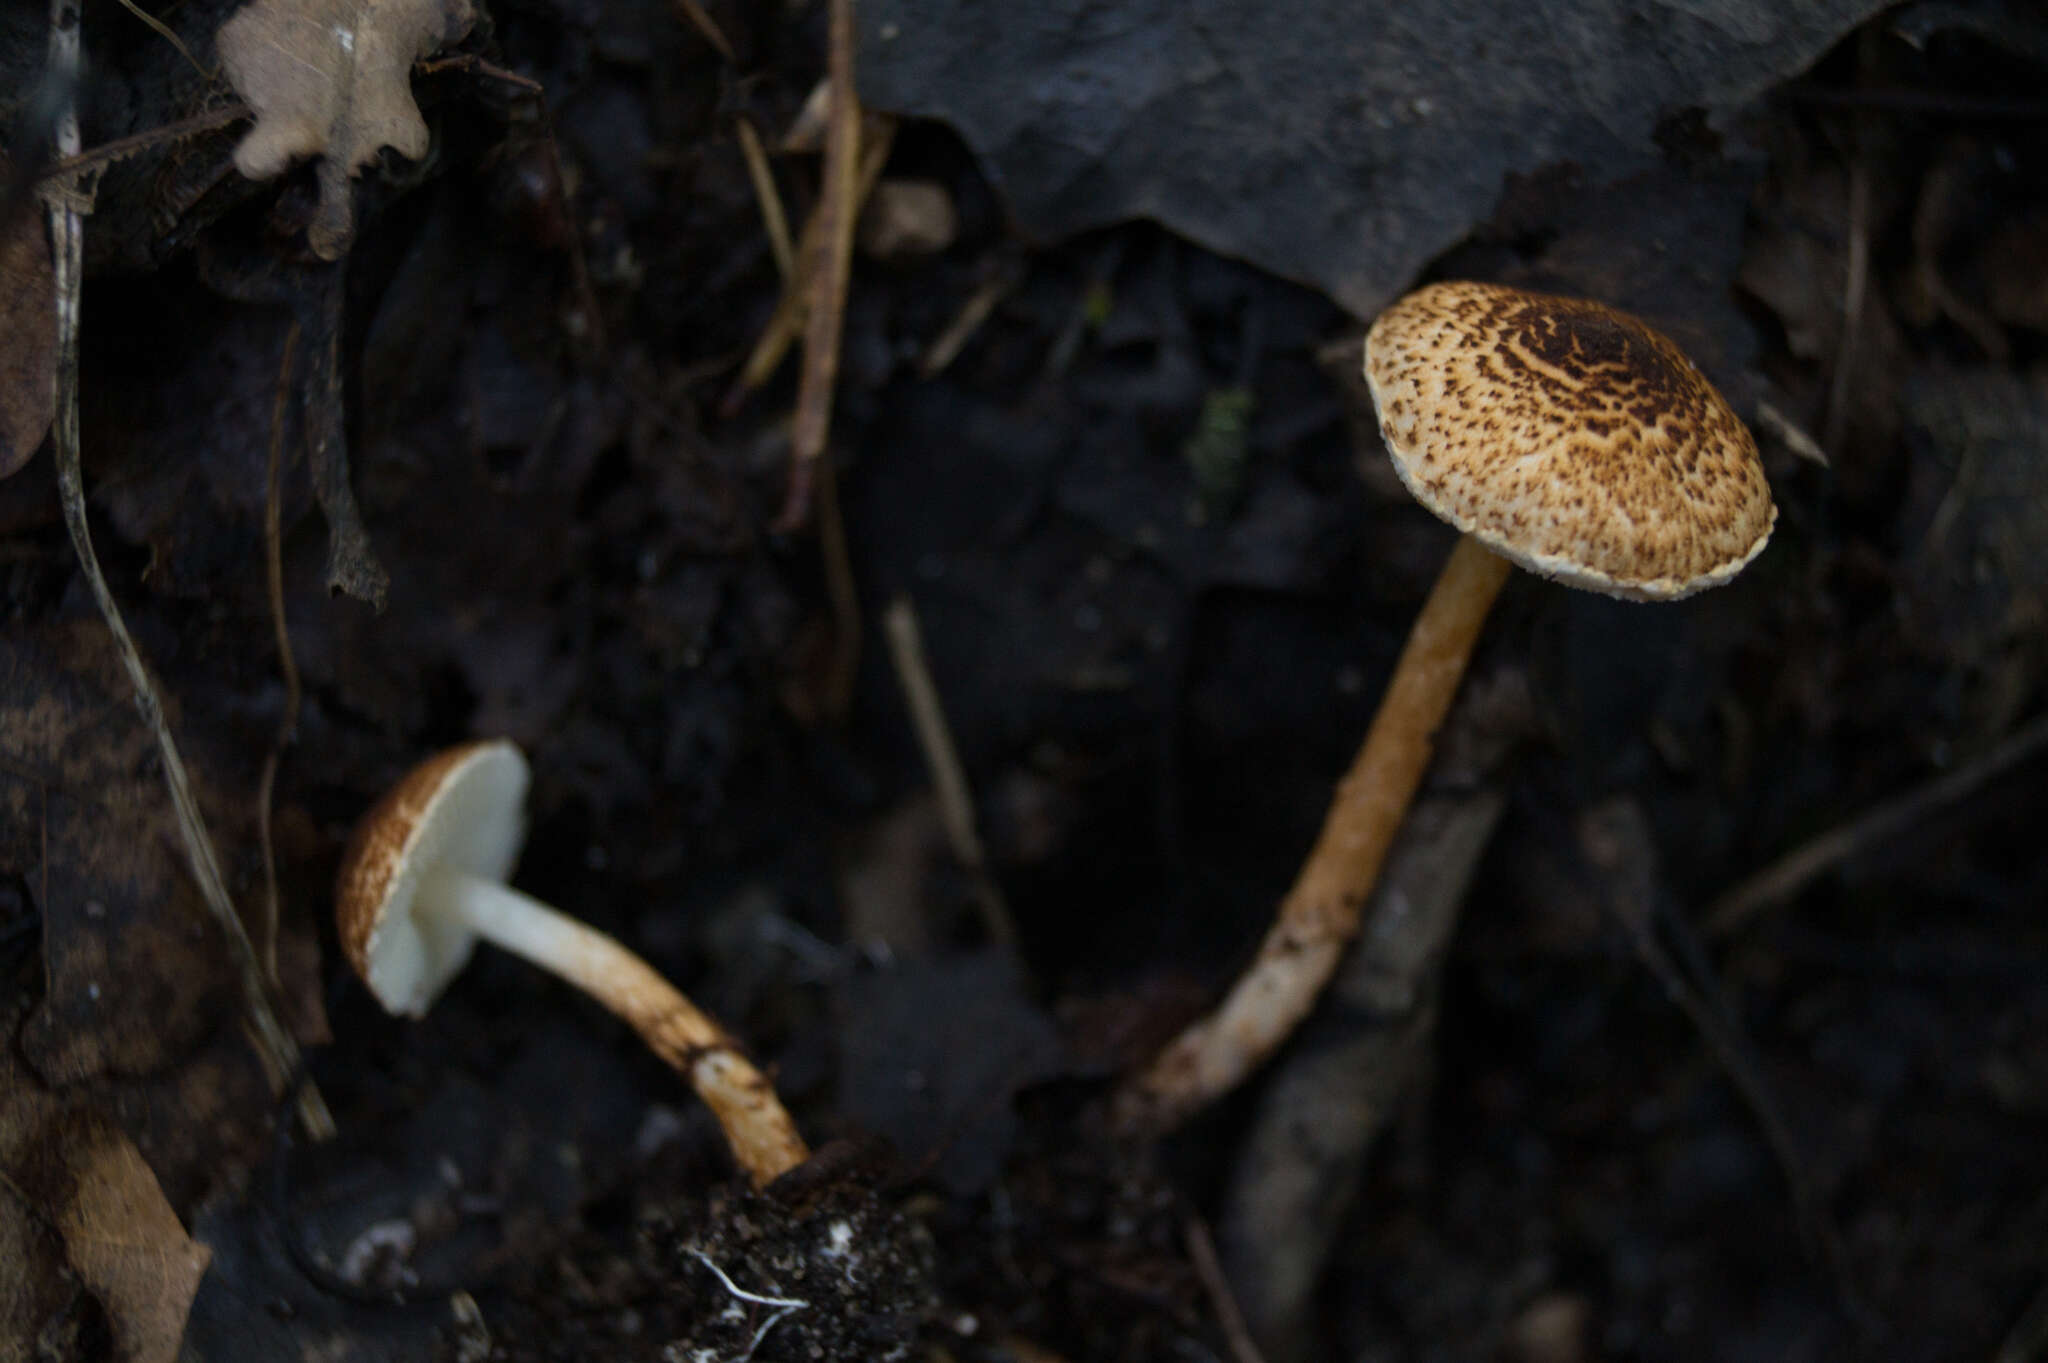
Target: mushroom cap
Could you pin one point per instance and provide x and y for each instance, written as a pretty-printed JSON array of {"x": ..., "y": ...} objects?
[
  {"x": 1569, "y": 438},
  {"x": 463, "y": 809}
]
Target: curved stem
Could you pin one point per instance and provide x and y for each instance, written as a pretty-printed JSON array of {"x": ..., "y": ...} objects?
[
  {"x": 1320, "y": 914},
  {"x": 763, "y": 1138}
]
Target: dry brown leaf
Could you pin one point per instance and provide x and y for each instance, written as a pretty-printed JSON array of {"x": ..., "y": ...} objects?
[
  {"x": 125, "y": 1243},
  {"x": 331, "y": 78},
  {"x": 28, "y": 341}
]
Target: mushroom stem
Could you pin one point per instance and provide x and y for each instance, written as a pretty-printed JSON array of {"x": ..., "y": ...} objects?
[
  {"x": 1320, "y": 914},
  {"x": 763, "y": 1138}
]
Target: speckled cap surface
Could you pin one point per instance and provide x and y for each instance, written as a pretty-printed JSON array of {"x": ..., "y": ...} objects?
[
  {"x": 463, "y": 809},
  {"x": 1569, "y": 438}
]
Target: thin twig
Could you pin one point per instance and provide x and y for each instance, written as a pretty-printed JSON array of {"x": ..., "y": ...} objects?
[
  {"x": 942, "y": 759},
  {"x": 288, "y": 722},
  {"x": 163, "y": 30},
  {"x": 840, "y": 591},
  {"x": 1706, "y": 1008},
  {"x": 466, "y": 61},
  {"x": 68, "y": 203},
  {"x": 1617, "y": 839},
  {"x": 831, "y": 260},
  {"x": 769, "y": 198},
  {"x": 1202, "y": 1254},
  {"x": 980, "y": 305},
  {"x": 788, "y": 321},
  {"x": 1785, "y": 877},
  {"x": 701, "y": 20},
  {"x": 121, "y": 148}
]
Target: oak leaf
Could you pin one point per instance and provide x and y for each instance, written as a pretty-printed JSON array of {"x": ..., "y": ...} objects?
[{"x": 331, "y": 78}]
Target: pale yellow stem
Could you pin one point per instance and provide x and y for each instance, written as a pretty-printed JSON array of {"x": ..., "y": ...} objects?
[{"x": 1320, "y": 914}]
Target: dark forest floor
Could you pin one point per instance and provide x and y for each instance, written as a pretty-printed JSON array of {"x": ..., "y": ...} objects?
[{"x": 1156, "y": 639}]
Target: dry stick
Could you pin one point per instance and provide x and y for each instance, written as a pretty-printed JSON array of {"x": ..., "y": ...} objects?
[
  {"x": 840, "y": 591},
  {"x": 701, "y": 20},
  {"x": 121, "y": 148},
  {"x": 947, "y": 345},
  {"x": 1616, "y": 838},
  {"x": 288, "y": 722},
  {"x": 773, "y": 219},
  {"x": 1731, "y": 1052},
  {"x": 788, "y": 322},
  {"x": 831, "y": 255},
  {"x": 949, "y": 777},
  {"x": 279, "y": 1053},
  {"x": 163, "y": 30},
  {"x": 465, "y": 61},
  {"x": 1320, "y": 913},
  {"x": 1785, "y": 877},
  {"x": 1202, "y": 1254}
]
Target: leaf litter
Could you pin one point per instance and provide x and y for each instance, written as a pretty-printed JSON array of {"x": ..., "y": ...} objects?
[
  {"x": 333, "y": 79},
  {"x": 619, "y": 598}
]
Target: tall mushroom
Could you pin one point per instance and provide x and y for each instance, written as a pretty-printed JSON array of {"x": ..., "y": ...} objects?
[
  {"x": 1559, "y": 435},
  {"x": 424, "y": 877}
]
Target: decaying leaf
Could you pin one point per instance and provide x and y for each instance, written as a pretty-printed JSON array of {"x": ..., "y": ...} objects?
[
  {"x": 28, "y": 341},
  {"x": 136, "y": 978},
  {"x": 124, "y": 1242},
  {"x": 1337, "y": 143},
  {"x": 83, "y": 1220},
  {"x": 133, "y": 981},
  {"x": 331, "y": 78}
]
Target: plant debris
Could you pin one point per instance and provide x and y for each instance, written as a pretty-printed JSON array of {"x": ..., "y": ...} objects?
[
  {"x": 1161, "y": 575},
  {"x": 28, "y": 349},
  {"x": 333, "y": 79}
]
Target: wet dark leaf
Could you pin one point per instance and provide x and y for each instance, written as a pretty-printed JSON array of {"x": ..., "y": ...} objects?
[{"x": 1336, "y": 144}]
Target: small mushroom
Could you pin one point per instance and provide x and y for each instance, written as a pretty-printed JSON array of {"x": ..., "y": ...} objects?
[
  {"x": 424, "y": 877},
  {"x": 1559, "y": 435}
]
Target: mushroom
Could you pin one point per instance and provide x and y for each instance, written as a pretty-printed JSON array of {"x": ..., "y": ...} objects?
[
  {"x": 1559, "y": 435},
  {"x": 424, "y": 877}
]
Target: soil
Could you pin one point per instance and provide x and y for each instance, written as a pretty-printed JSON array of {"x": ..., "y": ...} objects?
[{"x": 1161, "y": 574}]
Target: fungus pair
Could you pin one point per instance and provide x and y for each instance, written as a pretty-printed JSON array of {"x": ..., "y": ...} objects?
[
  {"x": 424, "y": 878},
  {"x": 1558, "y": 435}
]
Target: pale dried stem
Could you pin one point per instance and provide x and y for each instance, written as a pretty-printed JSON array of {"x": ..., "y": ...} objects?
[
  {"x": 947, "y": 345},
  {"x": 831, "y": 255},
  {"x": 274, "y": 1045},
  {"x": 788, "y": 321},
  {"x": 1320, "y": 913},
  {"x": 700, "y": 19},
  {"x": 773, "y": 219},
  {"x": 288, "y": 721},
  {"x": 942, "y": 760}
]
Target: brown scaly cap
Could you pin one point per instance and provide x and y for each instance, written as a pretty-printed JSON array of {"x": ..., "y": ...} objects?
[
  {"x": 1569, "y": 438},
  {"x": 379, "y": 851}
]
